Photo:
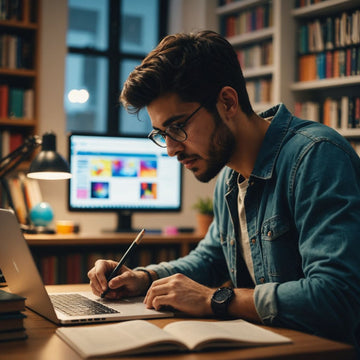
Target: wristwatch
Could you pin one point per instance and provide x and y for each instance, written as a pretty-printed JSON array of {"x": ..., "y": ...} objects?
[{"x": 221, "y": 300}]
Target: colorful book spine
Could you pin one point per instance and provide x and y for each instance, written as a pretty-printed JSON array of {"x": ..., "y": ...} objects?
[{"x": 329, "y": 47}]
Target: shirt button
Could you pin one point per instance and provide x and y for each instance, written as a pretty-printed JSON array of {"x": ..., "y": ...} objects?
[
  {"x": 269, "y": 233},
  {"x": 253, "y": 240},
  {"x": 232, "y": 242},
  {"x": 232, "y": 270},
  {"x": 262, "y": 280}
]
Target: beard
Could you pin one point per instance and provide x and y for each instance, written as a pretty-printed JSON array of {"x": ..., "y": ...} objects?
[{"x": 221, "y": 148}]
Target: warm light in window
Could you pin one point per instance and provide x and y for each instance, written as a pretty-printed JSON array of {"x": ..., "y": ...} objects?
[{"x": 78, "y": 96}]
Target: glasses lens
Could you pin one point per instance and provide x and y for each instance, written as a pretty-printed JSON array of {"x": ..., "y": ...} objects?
[
  {"x": 176, "y": 133},
  {"x": 158, "y": 139}
]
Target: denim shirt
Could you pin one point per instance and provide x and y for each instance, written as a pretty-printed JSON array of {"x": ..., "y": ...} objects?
[{"x": 303, "y": 218}]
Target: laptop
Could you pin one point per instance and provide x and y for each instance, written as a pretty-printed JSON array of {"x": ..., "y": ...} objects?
[{"x": 23, "y": 278}]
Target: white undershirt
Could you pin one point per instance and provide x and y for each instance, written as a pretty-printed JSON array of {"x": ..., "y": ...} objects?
[{"x": 244, "y": 236}]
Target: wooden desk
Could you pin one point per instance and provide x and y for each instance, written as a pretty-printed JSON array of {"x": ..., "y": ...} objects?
[{"x": 44, "y": 344}]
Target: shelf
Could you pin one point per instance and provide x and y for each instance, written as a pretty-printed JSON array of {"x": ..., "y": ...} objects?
[
  {"x": 18, "y": 122},
  {"x": 18, "y": 72},
  {"x": 324, "y": 8},
  {"x": 326, "y": 83},
  {"x": 18, "y": 25},
  {"x": 349, "y": 133},
  {"x": 259, "y": 71},
  {"x": 238, "y": 5},
  {"x": 251, "y": 37}
]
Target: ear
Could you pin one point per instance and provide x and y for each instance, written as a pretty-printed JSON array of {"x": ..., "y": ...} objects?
[{"x": 228, "y": 101}]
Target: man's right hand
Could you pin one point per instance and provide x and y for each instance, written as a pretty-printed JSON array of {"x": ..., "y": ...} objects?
[{"x": 126, "y": 284}]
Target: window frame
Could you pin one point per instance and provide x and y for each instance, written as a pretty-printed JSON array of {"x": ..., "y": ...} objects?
[{"x": 115, "y": 56}]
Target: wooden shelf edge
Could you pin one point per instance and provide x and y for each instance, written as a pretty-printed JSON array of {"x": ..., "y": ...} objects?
[
  {"x": 17, "y": 122},
  {"x": 19, "y": 24},
  {"x": 250, "y": 37},
  {"x": 237, "y": 5},
  {"x": 326, "y": 83},
  {"x": 323, "y": 8}
]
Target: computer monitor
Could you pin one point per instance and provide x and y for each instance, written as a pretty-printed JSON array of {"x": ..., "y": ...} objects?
[{"x": 122, "y": 174}]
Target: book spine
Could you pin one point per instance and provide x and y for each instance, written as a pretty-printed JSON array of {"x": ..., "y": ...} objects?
[{"x": 338, "y": 37}]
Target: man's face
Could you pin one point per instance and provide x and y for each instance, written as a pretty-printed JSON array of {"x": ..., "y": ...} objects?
[{"x": 209, "y": 144}]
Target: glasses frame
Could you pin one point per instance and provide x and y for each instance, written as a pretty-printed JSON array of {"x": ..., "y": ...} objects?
[{"x": 165, "y": 133}]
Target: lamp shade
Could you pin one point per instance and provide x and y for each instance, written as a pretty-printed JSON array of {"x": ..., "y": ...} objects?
[{"x": 48, "y": 164}]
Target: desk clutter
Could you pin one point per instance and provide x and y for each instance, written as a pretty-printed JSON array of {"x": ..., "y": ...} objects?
[{"x": 11, "y": 317}]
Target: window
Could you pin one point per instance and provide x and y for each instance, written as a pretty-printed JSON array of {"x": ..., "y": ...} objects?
[{"x": 106, "y": 39}]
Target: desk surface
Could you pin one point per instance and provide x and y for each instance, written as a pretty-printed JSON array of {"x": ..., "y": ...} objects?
[{"x": 43, "y": 343}]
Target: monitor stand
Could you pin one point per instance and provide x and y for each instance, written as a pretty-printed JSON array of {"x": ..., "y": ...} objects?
[{"x": 123, "y": 224}]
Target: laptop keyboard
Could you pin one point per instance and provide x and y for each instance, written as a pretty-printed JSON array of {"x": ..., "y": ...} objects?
[{"x": 76, "y": 304}]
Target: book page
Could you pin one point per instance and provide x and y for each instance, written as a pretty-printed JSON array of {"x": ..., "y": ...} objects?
[
  {"x": 198, "y": 335},
  {"x": 129, "y": 337}
]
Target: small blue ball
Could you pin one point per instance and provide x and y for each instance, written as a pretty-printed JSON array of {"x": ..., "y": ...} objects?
[{"x": 41, "y": 214}]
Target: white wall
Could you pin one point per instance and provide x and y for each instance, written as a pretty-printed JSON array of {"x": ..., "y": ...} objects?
[{"x": 185, "y": 15}]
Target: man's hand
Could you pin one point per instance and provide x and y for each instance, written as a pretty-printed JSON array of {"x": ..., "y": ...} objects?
[
  {"x": 128, "y": 283},
  {"x": 181, "y": 293}
]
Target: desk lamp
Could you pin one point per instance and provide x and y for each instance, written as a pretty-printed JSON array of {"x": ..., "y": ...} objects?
[{"x": 47, "y": 165}]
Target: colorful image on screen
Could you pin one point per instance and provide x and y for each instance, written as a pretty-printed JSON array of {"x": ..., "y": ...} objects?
[
  {"x": 148, "y": 190},
  {"x": 100, "y": 190},
  {"x": 100, "y": 167},
  {"x": 125, "y": 167},
  {"x": 148, "y": 168}
]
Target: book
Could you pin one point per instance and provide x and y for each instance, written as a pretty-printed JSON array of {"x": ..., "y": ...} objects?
[
  {"x": 141, "y": 336},
  {"x": 13, "y": 335},
  {"x": 11, "y": 321},
  {"x": 10, "y": 302}
]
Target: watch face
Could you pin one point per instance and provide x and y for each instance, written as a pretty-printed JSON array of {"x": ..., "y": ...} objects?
[{"x": 222, "y": 295}]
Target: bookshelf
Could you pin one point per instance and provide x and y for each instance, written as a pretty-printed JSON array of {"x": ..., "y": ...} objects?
[
  {"x": 261, "y": 27},
  {"x": 327, "y": 92},
  {"x": 66, "y": 259},
  {"x": 19, "y": 42},
  {"x": 332, "y": 31}
]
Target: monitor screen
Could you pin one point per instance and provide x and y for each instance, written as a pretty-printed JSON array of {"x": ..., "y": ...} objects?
[{"x": 122, "y": 174}]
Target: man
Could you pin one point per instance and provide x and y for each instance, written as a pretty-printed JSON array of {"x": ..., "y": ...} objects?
[{"x": 286, "y": 202}]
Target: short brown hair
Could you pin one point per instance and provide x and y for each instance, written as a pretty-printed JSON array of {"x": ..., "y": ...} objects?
[{"x": 195, "y": 66}]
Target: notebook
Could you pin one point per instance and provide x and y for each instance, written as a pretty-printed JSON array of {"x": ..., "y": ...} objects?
[{"x": 23, "y": 278}]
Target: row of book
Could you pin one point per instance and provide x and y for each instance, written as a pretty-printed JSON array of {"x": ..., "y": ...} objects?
[
  {"x": 249, "y": 20},
  {"x": 16, "y": 102},
  {"x": 24, "y": 194},
  {"x": 329, "y": 33},
  {"x": 342, "y": 113},
  {"x": 72, "y": 267},
  {"x": 329, "y": 64},
  {"x": 259, "y": 90},
  {"x": 303, "y": 3},
  {"x": 12, "y": 318},
  {"x": 17, "y": 10},
  {"x": 255, "y": 55},
  {"x": 16, "y": 52}
]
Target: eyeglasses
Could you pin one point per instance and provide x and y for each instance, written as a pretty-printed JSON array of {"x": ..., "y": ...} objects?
[{"x": 175, "y": 132}]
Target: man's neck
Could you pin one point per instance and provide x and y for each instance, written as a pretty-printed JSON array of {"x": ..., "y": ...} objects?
[{"x": 250, "y": 134}]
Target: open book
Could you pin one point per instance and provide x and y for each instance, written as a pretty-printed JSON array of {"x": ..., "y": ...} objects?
[{"x": 140, "y": 336}]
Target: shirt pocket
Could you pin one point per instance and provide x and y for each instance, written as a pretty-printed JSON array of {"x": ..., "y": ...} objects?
[{"x": 279, "y": 250}]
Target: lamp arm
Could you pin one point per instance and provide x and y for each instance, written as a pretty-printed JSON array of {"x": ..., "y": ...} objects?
[{"x": 16, "y": 157}]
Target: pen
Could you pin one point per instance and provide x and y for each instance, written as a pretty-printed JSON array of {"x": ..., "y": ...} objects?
[{"x": 133, "y": 245}]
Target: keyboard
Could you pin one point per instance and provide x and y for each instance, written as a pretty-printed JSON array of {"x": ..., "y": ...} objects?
[{"x": 77, "y": 305}]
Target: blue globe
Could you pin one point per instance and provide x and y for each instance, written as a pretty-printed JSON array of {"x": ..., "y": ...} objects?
[{"x": 41, "y": 214}]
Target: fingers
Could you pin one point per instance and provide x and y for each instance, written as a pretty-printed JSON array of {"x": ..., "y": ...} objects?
[
  {"x": 97, "y": 275},
  {"x": 181, "y": 293}
]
